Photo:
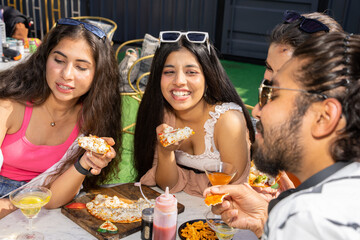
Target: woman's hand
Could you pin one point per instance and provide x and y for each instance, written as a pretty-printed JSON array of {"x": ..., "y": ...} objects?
[
  {"x": 243, "y": 208},
  {"x": 96, "y": 161},
  {"x": 6, "y": 207}
]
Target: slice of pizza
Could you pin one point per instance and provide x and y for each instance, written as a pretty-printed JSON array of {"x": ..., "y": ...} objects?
[
  {"x": 214, "y": 199},
  {"x": 170, "y": 135},
  {"x": 260, "y": 179},
  {"x": 107, "y": 227},
  {"x": 94, "y": 144}
]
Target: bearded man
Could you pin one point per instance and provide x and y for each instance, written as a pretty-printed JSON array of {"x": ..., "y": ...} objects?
[{"x": 309, "y": 125}]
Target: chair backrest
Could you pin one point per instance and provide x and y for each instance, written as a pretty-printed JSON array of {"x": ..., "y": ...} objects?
[{"x": 135, "y": 89}]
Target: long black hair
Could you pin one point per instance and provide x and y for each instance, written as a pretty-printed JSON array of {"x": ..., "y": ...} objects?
[{"x": 219, "y": 89}]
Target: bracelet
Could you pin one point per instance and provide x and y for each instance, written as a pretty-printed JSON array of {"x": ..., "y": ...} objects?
[{"x": 80, "y": 168}]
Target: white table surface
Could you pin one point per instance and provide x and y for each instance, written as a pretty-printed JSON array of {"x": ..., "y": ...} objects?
[
  {"x": 11, "y": 63},
  {"x": 54, "y": 225}
]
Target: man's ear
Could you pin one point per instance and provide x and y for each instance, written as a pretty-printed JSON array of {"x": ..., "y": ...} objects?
[{"x": 328, "y": 115}]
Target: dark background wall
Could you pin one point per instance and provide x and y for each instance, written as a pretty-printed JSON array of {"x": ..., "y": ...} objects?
[{"x": 238, "y": 28}]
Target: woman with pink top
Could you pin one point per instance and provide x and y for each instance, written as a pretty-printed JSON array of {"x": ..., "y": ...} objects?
[{"x": 68, "y": 87}]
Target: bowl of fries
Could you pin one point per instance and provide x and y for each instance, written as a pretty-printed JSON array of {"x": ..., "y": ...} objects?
[
  {"x": 196, "y": 230},
  {"x": 222, "y": 230}
]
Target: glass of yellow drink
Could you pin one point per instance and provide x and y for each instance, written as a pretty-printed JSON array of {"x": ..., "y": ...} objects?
[
  {"x": 222, "y": 230},
  {"x": 30, "y": 200}
]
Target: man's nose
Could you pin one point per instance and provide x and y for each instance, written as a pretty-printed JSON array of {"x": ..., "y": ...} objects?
[{"x": 256, "y": 111}]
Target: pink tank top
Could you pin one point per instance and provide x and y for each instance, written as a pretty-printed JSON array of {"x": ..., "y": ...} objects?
[{"x": 23, "y": 160}]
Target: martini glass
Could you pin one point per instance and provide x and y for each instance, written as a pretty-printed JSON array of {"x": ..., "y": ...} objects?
[
  {"x": 219, "y": 173},
  {"x": 30, "y": 200},
  {"x": 222, "y": 230}
]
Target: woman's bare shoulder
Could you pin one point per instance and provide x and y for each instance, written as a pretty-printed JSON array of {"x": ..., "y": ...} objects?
[
  {"x": 231, "y": 119},
  {"x": 10, "y": 113}
]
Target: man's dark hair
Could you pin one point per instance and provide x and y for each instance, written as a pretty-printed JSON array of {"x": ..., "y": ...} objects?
[{"x": 332, "y": 67}]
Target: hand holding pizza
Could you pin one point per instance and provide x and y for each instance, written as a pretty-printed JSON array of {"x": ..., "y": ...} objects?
[
  {"x": 243, "y": 208},
  {"x": 97, "y": 160},
  {"x": 171, "y": 138}
]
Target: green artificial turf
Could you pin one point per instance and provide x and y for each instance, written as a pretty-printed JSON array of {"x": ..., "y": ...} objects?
[{"x": 246, "y": 78}]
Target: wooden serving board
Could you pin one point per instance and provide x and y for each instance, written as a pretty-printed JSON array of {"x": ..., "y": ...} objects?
[{"x": 91, "y": 224}]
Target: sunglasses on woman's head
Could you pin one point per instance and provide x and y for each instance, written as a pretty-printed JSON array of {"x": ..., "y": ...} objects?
[
  {"x": 307, "y": 25},
  {"x": 91, "y": 28},
  {"x": 266, "y": 91},
  {"x": 194, "y": 37}
]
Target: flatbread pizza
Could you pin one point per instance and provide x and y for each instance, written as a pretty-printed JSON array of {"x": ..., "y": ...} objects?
[
  {"x": 214, "y": 199},
  {"x": 260, "y": 179},
  {"x": 170, "y": 135},
  {"x": 94, "y": 144},
  {"x": 117, "y": 210}
]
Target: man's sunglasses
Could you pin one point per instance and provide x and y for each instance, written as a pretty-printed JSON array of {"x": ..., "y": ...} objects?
[
  {"x": 91, "y": 28},
  {"x": 307, "y": 25},
  {"x": 266, "y": 91},
  {"x": 194, "y": 37}
]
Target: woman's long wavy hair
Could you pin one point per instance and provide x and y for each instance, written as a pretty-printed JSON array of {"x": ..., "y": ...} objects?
[
  {"x": 219, "y": 89},
  {"x": 332, "y": 67},
  {"x": 290, "y": 33},
  {"x": 101, "y": 105}
]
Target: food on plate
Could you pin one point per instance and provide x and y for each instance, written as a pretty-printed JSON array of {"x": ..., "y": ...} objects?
[
  {"x": 260, "y": 179},
  {"x": 214, "y": 199},
  {"x": 171, "y": 135},
  {"x": 94, "y": 143},
  {"x": 107, "y": 227},
  {"x": 117, "y": 210},
  {"x": 198, "y": 230},
  {"x": 76, "y": 205}
]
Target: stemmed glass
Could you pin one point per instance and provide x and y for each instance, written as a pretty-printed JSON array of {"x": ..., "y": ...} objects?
[
  {"x": 219, "y": 173},
  {"x": 222, "y": 230},
  {"x": 30, "y": 200}
]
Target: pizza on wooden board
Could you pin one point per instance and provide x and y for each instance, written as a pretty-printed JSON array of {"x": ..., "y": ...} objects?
[{"x": 117, "y": 210}]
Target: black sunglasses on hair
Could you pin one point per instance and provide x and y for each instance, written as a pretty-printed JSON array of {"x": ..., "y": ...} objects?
[
  {"x": 307, "y": 25},
  {"x": 266, "y": 91},
  {"x": 91, "y": 28}
]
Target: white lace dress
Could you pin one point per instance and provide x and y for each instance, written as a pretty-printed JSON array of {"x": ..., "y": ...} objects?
[
  {"x": 189, "y": 166},
  {"x": 211, "y": 154}
]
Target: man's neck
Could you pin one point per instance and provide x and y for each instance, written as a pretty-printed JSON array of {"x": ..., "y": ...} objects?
[{"x": 314, "y": 162}]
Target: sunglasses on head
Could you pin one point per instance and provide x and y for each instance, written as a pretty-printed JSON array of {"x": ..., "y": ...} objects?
[
  {"x": 91, "y": 28},
  {"x": 307, "y": 25},
  {"x": 194, "y": 37},
  {"x": 266, "y": 91}
]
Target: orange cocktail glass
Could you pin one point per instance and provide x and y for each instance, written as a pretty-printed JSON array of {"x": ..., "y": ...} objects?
[{"x": 220, "y": 173}]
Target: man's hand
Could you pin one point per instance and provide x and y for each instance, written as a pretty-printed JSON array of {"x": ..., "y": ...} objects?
[{"x": 243, "y": 208}]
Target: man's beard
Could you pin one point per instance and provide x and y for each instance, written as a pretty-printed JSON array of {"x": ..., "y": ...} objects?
[{"x": 281, "y": 149}]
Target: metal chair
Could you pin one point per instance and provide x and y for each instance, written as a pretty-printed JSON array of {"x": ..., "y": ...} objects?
[{"x": 136, "y": 92}]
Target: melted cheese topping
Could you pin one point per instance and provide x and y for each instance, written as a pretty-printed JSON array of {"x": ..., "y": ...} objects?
[{"x": 116, "y": 210}]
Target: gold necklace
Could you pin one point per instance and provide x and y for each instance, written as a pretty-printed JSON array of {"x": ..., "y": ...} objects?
[{"x": 52, "y": 124}]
